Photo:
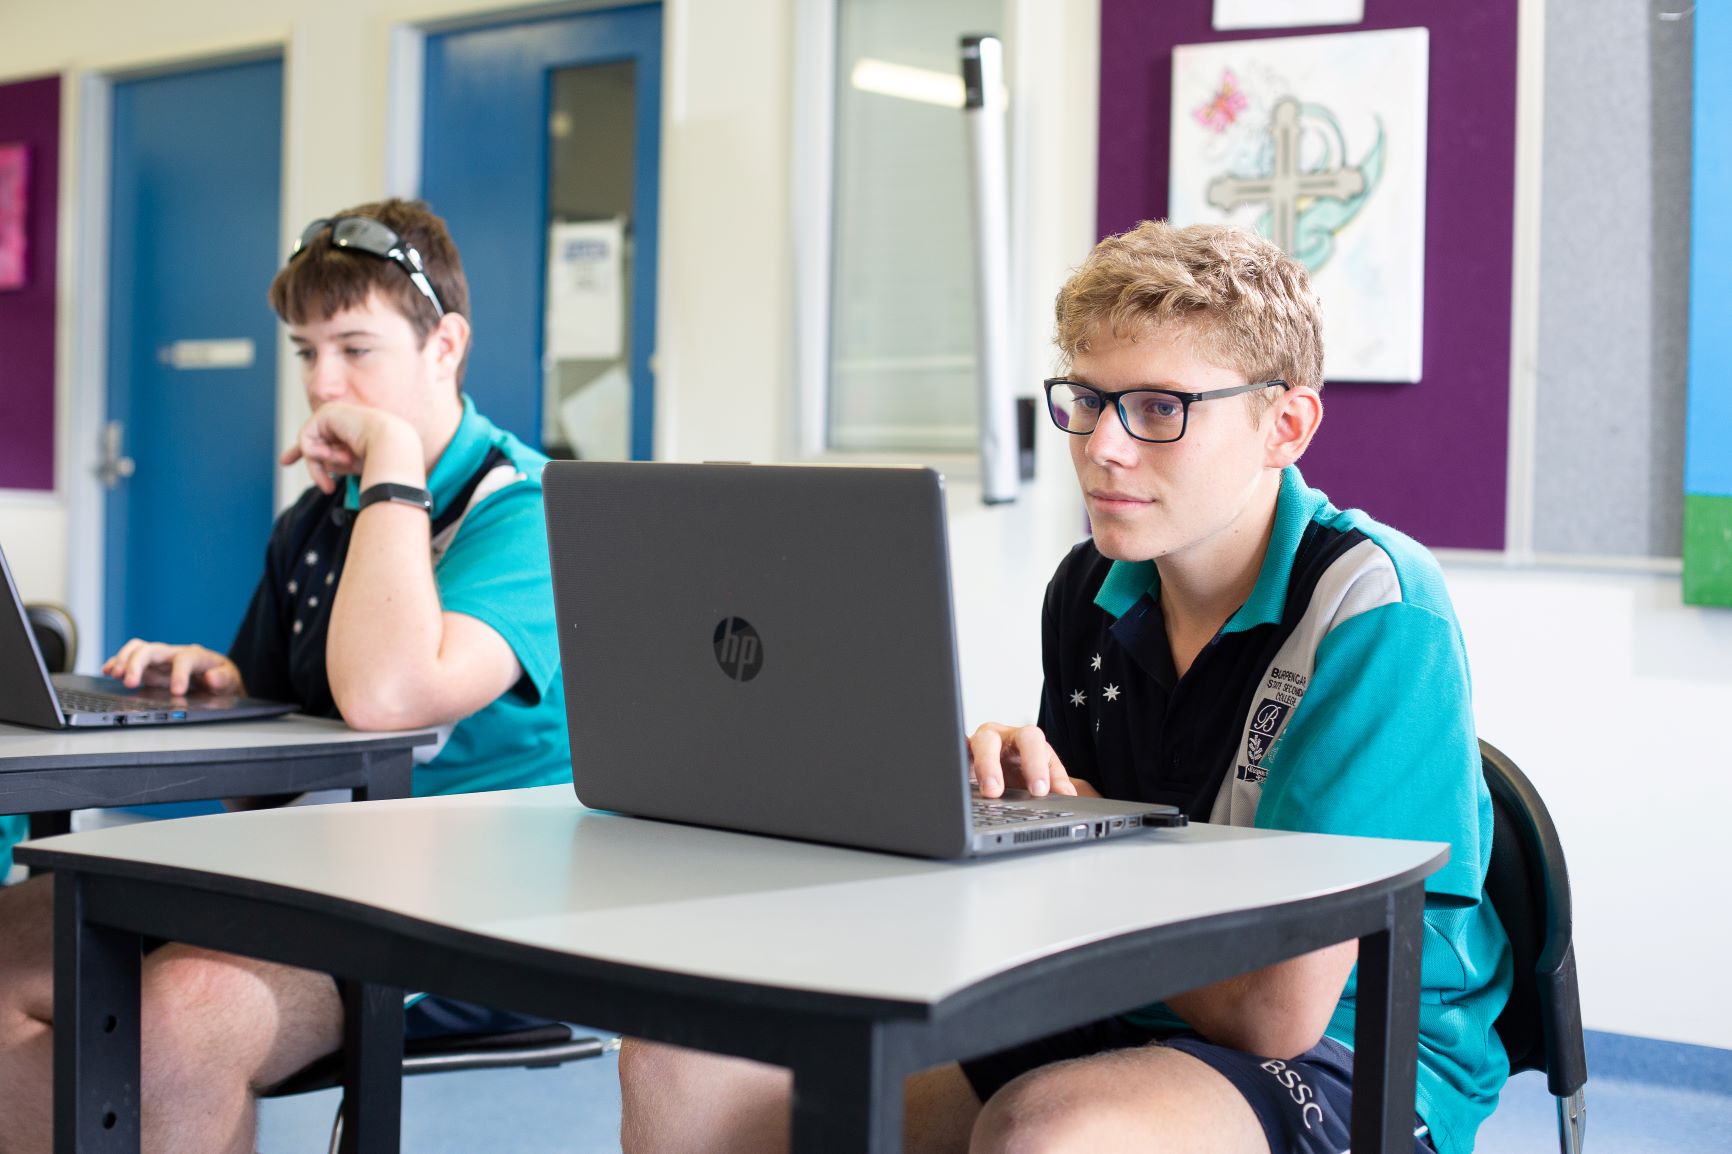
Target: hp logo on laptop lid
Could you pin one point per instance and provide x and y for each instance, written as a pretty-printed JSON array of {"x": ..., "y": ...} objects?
[{"x": 738, "y": 650}]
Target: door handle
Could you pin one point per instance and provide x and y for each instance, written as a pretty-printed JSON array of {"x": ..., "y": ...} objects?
[{"x": 112, "y": 467}]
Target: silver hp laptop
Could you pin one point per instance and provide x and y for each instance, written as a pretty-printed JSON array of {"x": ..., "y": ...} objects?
[
  {"x": 770, "y": 649},
  {"x": 29, "y": 695}
]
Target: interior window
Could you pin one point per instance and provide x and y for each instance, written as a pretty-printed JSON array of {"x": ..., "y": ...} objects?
[{"x": 902, "y": 373}]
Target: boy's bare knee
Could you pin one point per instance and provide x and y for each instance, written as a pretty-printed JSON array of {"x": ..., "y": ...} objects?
[
  {"x": 675, "y": 1099},
  {"x": 1047, "y": 1111},
  {"x": 1014, "y": 1121},
  {"x": 209, "y": 1017},
  {"x": 645, "y": 1066},
  {"x": 195, "y": 1011}
]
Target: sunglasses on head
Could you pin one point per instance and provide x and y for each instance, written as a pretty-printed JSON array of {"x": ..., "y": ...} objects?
[{"x": 364, "y": 234}]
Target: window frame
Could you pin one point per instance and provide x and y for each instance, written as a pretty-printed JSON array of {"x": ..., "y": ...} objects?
[{"x": 813, "y": 214}]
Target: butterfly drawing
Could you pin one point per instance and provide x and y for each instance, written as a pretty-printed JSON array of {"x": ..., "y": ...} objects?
[{"x": 1224, "y": 107}]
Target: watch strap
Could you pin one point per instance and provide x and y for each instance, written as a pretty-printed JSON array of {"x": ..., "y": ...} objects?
[{"x": 397, "y": 494}]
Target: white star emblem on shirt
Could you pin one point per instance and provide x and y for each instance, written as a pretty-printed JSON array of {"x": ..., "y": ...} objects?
[
  {"x": 1112, "y": 692},
  {"x": 1096, "y": 663},
  {"x": 1078, "y": 698}
]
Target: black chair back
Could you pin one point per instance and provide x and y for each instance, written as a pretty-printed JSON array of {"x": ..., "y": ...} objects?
[
  {"x": 56, "y": 635},
  {"x": 550, "y": 1044},
  {"x": 1529, "y": 887}
]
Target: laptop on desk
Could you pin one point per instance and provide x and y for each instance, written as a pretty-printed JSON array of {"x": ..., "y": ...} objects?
[
  {"x": 770, "y": 649},
  {"x": 30, "y": 695}
]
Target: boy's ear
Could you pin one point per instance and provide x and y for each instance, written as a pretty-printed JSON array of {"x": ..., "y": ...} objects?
[
  {"x": 449, "y": 341},
  {"x": 1292, "y": 422}
]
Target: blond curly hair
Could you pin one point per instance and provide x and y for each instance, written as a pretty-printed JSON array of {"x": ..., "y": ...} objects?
[{"x": 1248, "y": 305}]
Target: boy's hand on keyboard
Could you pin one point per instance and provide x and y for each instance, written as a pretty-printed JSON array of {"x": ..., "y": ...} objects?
[
  {"x": 177, "y": 668},
  {"x": 1017, "y": 757}
]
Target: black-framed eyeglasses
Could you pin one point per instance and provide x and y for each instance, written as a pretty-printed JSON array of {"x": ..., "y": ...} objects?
[
  {"x": 364, "y": 234},
  {"x": 1155, "y": 415}
]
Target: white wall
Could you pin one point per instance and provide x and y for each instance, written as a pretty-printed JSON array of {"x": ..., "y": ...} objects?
[
  {"x": 1612, "y": 696},
  {"x": 33, "y": 530},
  {"x": 1601, "y": 685}
]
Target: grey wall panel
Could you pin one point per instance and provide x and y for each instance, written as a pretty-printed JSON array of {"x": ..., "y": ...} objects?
[{"x": 1613, "y": 280}]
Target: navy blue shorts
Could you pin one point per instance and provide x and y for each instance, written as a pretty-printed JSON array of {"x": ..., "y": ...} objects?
[{"x": 1304, "y": 1105}]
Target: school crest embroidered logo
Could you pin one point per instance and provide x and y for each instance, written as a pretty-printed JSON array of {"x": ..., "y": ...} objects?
[{"x": 1265, "y": 724}]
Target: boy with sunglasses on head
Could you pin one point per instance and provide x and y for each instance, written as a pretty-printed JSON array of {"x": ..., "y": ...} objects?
[
  {"x": 1229, "y": 642},
  {"x": 408, "y": 588}
]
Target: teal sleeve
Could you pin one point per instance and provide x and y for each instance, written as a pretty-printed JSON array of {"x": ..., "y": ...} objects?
[
  {"x": 13, "y": 829},
  {"x": 1382, "y": 744},
  {"x": 496, "y": 571}
]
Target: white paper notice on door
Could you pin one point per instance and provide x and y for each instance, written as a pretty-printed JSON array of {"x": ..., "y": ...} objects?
[{"x": 585, "y": 290}]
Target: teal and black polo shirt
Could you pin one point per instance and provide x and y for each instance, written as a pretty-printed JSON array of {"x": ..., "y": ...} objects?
[
  {"x": 1336, "y": 700},
  {"x": 490, "y": 563}
]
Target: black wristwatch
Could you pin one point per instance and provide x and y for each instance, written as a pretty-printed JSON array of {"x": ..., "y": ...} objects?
[{"x": 399, "y": 494}]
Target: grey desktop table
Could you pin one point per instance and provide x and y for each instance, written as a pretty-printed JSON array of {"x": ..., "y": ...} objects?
[
  {"x": 852, "y": 968},
  {"x": 49, "y": 772}
]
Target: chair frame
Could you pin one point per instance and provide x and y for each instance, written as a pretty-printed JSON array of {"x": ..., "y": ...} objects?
[{"x": 1528, "y": 884}]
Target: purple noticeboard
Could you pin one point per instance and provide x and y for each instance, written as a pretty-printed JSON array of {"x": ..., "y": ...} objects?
[{"x": 1429, "y": 458}]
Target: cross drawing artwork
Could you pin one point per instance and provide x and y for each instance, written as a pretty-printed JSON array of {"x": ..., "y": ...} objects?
[{"x": 1318, "y": 143}]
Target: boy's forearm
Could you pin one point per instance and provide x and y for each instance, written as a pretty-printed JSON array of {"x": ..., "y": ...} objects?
[
  {"x": 1279, "y": 1011},
  {"x": 386, "y": 623}
]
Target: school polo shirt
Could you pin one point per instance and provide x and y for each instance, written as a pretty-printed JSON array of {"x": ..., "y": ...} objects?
[
  {"x": 490, "y": 563},
  {"x": 1335, "y": 700}
]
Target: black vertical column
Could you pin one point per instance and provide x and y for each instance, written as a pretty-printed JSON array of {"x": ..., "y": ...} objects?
[
  {"x": 96, "y": 1028},
  {"x": 1386, "y": 1028},
  {"x": 389, "y": 775},
  {"x": 372, "y": 1068},
  {"x": 847, "y": 1096}
]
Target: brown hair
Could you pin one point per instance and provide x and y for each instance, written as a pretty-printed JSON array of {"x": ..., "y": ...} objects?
[
  {"x": 1248, "y": 304},
  {"x": 324, "y": 280}
]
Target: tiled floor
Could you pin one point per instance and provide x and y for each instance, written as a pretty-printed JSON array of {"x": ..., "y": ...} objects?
[
  {"x": 572, "y": 1110},
  {"x": 1644, "y": 1097}
]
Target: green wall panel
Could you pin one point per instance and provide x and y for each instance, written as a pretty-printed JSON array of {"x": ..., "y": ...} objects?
[{"x": 1707, "y": 550}]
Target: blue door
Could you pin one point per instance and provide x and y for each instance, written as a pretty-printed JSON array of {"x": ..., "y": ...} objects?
[
  {"x": 488, "y": 157},
  {"x": 192, "y": 382}
]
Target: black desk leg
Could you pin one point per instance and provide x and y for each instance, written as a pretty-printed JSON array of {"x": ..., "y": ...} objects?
[
  {"x": 372, "y": 1068},
  {"x": 388, "y": 776},
  {"x": 1386, "y": 1032},
  {"x": 847, "y": 1098},
  {"x": 49, "y": 824},
  {"x": 96, "y": 1030}
]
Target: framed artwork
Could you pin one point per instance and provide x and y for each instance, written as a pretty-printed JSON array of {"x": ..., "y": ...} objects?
[
  {"x": 14, "y": 177},
  {"x": 1318, "y": 142}
]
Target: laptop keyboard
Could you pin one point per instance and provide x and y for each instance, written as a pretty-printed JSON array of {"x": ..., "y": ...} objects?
[
  {"x": 996, "y": 813},
  {"x": 77, "y": 701}
]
